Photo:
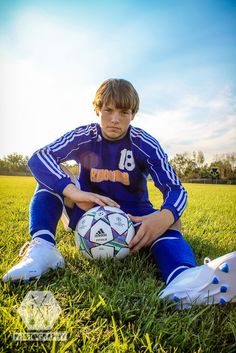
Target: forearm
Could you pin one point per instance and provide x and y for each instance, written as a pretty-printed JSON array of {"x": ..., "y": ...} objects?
[
  {"x": 47, "y": 171},
  {"x": 86, "y": 200},
  {"x": 175, "y": 200},
  {"x": 166, "y": 219},
  {"x": 72, "y": 192}
]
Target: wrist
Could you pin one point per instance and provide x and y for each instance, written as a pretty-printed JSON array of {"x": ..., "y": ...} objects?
[
  {"x": 167, "y": 216},
  {"x": 70, "y": 191}
]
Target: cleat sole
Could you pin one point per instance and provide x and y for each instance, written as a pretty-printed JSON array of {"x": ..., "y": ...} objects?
[
  {"x": 215, "y": 280},
  {"x": 224, "y": 268},
  {"x": 223, "y": 289}
]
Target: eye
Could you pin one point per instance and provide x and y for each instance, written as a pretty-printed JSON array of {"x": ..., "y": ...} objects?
[{"x": 125, "y": 112}]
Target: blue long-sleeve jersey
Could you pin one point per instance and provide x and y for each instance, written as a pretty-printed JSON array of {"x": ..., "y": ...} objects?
[{"x": 117, "y": 169}]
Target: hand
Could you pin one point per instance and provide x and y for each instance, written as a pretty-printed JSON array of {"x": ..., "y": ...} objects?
[
  {"x": 152, "y": 227},
  {"x": 86, "y": 200}
]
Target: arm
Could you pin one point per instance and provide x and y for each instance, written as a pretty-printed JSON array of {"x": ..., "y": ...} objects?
[
  {"x": 45, "y": 163},
  {"x": 45, "y": 166},
  {"x": 86, "y": 200},
  {"x": 174, "y": 195}
]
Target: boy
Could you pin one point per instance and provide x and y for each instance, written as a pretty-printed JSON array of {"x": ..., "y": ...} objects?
[{"x": 115, "y": 159}]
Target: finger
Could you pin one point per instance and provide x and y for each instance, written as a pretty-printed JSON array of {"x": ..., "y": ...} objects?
[
  {"x": 139, "y": 235},
  {"x": 112, "y": 203},
  {"x": 85, "y": 206},
  {"x": 99, "y": 202},
  {"x": 136, "y": 219},
  {"x": 108, "y": 201},
  {"x": 139, "y": 245}
]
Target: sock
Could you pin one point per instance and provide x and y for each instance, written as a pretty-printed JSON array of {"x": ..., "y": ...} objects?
[
  {"x": 172, "y": 254},
  {"x": 45, "y": 213}
]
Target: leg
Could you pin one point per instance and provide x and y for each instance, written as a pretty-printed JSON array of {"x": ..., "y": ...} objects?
[
  {"x": 212, "y": 283},
  {"x": 172, "y": 254},
  {"x": 42, "y": 255},
  {"x": 188, "y": 284},
  {"x": 45, "y": 212}
]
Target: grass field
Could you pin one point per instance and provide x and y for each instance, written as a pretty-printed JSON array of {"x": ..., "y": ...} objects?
[{"x": 112, "y": 306}]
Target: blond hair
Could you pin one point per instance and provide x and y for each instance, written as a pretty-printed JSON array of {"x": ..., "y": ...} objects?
[{"x": 119, "y": 92}]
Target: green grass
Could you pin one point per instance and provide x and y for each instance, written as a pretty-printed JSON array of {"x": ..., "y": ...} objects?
[{"x": 112, "y": 306}]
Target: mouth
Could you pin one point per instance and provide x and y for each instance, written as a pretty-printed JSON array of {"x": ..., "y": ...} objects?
[{"x": 113, "y": 128}]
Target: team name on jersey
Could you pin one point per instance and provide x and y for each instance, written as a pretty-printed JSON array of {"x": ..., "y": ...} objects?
[
  {"x": 126, "y": 162},
  {"x": 99, "y": 175}
]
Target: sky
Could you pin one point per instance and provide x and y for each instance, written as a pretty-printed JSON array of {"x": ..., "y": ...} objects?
[{"x": 180, "y": 55}]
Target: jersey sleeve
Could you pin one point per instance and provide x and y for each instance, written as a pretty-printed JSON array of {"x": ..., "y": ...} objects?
[
  {"x": 162, "y": 173},
  {"x": 45, "y": 163}
]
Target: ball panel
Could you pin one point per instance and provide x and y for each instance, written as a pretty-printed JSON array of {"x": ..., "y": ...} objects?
[
  {"x": 84, "y": 225},
  {"x": 87, "y": 255},
  {"x": 101, "y": 232},
  {"x": 92, "y": 211},
  {"x": 102, "y": 251},
  {"x": 118, "y": 222},
  {"x": 84, "y": 246},
  {"x": 113, "y": 209},
  {"x": 100, "y": 214},
  {"x": 117, "y": 243},
  {"x": 130, "y": 233},
  {"x": 123, "y": 253}
]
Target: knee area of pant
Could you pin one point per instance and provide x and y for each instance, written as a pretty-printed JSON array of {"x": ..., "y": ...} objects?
[
  {"x": 173, "y": 247},
  {"x": 47, "y": 196},
  {"x": 172, "y": 235},
  {"x": 177, "y": 226}
]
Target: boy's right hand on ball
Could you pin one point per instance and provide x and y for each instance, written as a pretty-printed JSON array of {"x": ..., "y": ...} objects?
[{"x": 86, "y": 200}]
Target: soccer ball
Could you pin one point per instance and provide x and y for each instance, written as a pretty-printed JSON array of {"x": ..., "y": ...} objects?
[{"x": 104, "y": 232}]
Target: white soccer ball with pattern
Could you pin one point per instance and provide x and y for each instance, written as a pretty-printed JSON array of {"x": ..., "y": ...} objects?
[{"x": 104, "y": 232}]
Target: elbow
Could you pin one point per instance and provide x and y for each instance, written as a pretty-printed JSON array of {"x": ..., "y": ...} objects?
[{"x": 32, "y": 161}]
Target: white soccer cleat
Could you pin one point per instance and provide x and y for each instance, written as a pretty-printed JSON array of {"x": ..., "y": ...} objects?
[
  {"x": 212, "y": 283},
  {"x": 39, "y": 258}
]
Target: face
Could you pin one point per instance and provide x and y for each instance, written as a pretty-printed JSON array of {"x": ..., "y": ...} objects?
[{"x": 114, "y": 122}]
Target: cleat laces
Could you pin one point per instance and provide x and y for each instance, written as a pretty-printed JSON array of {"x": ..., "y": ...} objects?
[{"x": 27, "y": 246}]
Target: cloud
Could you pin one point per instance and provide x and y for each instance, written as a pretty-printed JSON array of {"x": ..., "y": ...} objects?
[{"x": 195, "y": 123}]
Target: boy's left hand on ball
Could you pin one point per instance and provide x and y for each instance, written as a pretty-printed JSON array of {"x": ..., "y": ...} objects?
[{"x": 152, "y": 227}]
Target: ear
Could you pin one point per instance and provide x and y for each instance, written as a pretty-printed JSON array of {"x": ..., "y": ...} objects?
[{"x": 133, "y": 117}]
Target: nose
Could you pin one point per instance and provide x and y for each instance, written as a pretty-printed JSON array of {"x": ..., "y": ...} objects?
[{"x": 115, "y": 117}]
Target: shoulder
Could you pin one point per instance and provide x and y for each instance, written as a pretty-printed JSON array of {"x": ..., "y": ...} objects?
[
  {"x": 89, "y": 129},
  {"x": 84, "y": 132},
  {"x": 141, "y": 135},
  {"x": 78, "y": 136},
  {"x": 146, "y": 143}
]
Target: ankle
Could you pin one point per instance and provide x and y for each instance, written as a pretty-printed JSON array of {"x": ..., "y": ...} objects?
[{"x": 43, "y": 241}]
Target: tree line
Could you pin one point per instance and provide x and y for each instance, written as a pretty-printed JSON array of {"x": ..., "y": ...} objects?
[
  {"x": 188, "y": 167},
  {"x": 193, "y": 166},
  {"x": 14, "y": 164}
]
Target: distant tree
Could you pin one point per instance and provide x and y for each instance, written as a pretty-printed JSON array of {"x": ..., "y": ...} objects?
[
  {"x": 14, "y": 163},
  {"x": 194, "y": 167},
  {"x": 183, "y": 165},
  {"x": 3, "y": 166},
  {"x": 200, "y": 158},
  {"x": 232, "y": 159},
  {"x": 225, "y": 169},
  {"x": 229, "y": 157}
]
